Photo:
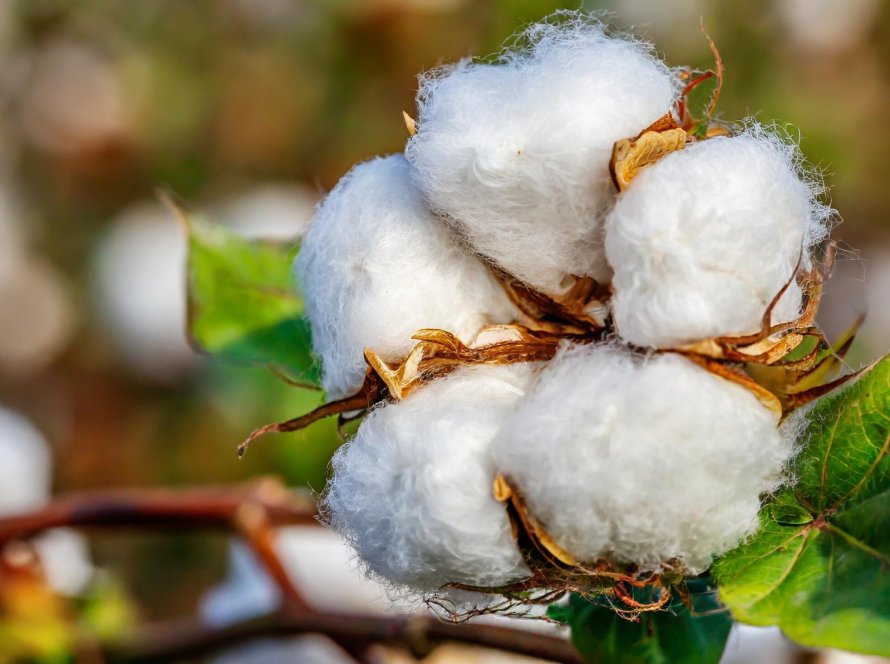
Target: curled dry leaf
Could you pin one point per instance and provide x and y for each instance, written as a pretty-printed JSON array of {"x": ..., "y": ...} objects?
[
  {"x": 581, "y": 309},
  {"x": 631, "y": 155},
  {"x": 667, "y": 134}
]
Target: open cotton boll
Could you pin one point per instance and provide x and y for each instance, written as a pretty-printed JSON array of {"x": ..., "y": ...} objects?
[
  {"x": 376, "y": 266},
  {"x": 412, "y": 491},
  {"x": 641, "y": 460},
  {"x": 703, "y": 240},
  {"x": 516, "y": 153}
]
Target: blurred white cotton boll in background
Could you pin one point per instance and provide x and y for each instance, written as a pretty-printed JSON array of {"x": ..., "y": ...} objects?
[
  {"x": 320, "y": 563},
  {"x": 516, "y": 154},
  {"x": 140, "y": 287},
  {"x": 703, "y": 240},
  {"x": 270, "y": 212},
  {"x": 25, "y": 484},
  {"x": 12, "y": 240},
  {"x": 412, "y": 491},
  {"x": 65, "y": 556},
  {"x": 27, "y": 464},
  {"x": 826, "y": 25},
  {"x": 642, "y": 460},
  {"x": 73, "y": 98},
  {"x": 322, "y": 566},
  {"x": 668, "y": 19},
  {"x": 248, "y": 592},
  {"x": 36, "y": 315},
  {"x": 375, "y": 266},
  {"x": 765, "y": 645}
]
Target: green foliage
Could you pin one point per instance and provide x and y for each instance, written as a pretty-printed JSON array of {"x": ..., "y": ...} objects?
[
  {"x": 818, "y": 567},
  {"x": 243, "y": 306},
  {"x": 671, "y": 636},
  {"x": 106, "y": 612}
]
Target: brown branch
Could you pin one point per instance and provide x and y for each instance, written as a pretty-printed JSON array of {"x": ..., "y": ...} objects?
[
  {"x": 212, "y": 508},
  {"x": 254, "y": 511},
  {"x": 418, "y": 634}
]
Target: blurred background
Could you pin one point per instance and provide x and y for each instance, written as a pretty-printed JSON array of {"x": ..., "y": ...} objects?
[{"x": 250, "y": 110}]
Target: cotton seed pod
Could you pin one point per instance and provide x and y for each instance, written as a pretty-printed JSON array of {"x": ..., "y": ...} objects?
[
  {"x": 516, "y": 153},
  {"x": 702, "y": 241},
  {"x": 375, "y": 266},
  {"x": 412, "y": 490},
  {"x": 640, "y": 460}
]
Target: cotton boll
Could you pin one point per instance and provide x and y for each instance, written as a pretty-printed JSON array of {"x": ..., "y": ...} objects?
[
  {"x": 413, "y": 490},
  {"x": 641, "y": 460},
  {"x": 375, "y": 267},
  {"x": 140, "y": 287},
  {"x": 517, "y": 153},
  {"x": 703, "y": 240}
]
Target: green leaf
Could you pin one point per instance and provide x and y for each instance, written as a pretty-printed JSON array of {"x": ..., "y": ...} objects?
[
  {"x": 819, "y": 567},
  {"x": 672, "y": 636},
  {"x": 243, "y": 306}
]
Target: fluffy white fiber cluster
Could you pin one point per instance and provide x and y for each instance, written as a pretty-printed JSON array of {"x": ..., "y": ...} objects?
[
  {"x": 412, "y": 489},
  {"x": 516, "y": 153},
  {"x": 641, "y": 460},
  {"x": 703, "y": 240},
  {"x": 376, "y": 266}
]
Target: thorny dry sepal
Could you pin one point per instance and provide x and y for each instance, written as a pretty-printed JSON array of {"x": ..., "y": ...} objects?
[
  {"x": 440, "y": 352},
  {"x": 436, "y": 354},
  {"x": 581, "y": 310},
  {"x": 555, "y": 572}
]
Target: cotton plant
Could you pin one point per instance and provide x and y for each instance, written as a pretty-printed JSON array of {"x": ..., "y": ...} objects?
[
  {"x": 517, "y": 163},
  {"x": 569, "y": 335}
]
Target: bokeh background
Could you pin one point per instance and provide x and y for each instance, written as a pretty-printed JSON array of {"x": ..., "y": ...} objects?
[{"x": 249, "y": 110}]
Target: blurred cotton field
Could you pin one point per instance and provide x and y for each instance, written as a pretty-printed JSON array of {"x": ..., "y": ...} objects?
[{"x": 248, "y": 112}]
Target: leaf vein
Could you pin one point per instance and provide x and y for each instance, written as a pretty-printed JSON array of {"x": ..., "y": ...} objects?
[{"x": 859, "y": 544}]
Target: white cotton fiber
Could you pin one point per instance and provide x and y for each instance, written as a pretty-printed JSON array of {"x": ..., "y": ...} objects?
[
  {"x": 516, "y": 153},
  {"x": 703, "y": 240},
  {"x": 412, "y": 491},
  {"x": 375, "y": 266},
  {"x": 641, "y": 460}
]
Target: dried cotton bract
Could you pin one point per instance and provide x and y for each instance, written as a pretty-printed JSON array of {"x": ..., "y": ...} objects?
[
  {"x": 376, "y": 266},
  {"x": 516, "y": 153},
  {"x": 640, "y": 460},
  {"x": 412, "y": 489},
  {"x": 702, "y": 241}
]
